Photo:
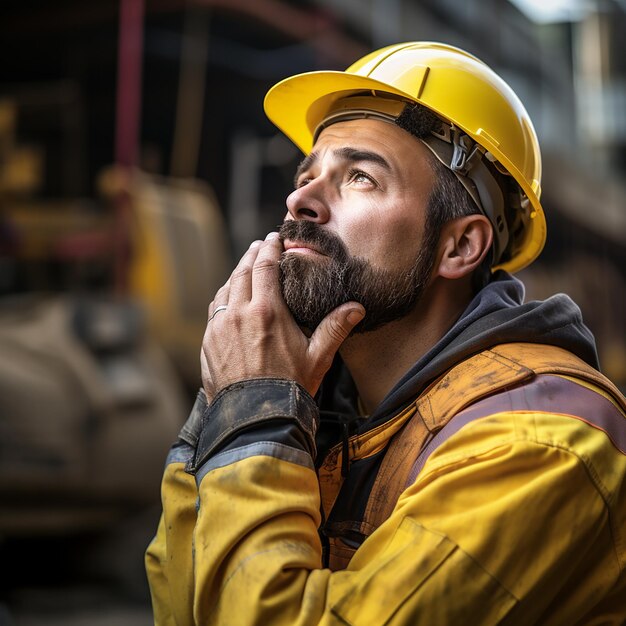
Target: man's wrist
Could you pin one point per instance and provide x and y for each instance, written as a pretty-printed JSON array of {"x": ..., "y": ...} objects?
[
  {"x": 274, "y": 407},
  {"x": 190, "y": 432}
]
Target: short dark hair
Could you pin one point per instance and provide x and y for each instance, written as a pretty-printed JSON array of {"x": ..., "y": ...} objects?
[{"x": 449, "y": 199}]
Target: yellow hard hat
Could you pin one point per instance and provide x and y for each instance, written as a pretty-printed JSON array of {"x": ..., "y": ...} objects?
[{"x": 456, "y": 86}]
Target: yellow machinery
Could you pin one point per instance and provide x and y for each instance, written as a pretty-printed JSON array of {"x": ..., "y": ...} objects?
[{"x": 179, "y": 256}]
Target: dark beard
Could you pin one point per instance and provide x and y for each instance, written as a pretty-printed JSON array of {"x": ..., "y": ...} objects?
[{"x": 312, "y": 286}]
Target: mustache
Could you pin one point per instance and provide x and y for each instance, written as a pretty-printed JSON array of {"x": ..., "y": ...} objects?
[{"x": 309, "y": 232}]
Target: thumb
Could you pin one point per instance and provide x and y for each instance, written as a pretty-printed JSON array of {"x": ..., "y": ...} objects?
[{"x": 333, "y": 331}]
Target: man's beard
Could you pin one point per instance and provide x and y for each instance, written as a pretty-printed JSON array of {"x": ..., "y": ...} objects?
[{"x": 313, "y": 286}]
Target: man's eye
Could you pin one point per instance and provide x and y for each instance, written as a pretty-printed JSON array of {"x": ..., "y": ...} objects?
[
  {"x": 359, "y": 176},
  {"x": 301, "y": 182}
]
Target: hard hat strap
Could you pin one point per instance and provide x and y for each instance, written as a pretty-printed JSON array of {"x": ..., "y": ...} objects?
[
  {"x": 464, "y": 157},
  {"x": 351, "y": 114}
]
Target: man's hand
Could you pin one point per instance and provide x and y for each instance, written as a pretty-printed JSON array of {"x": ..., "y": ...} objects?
[{"x": 256, "y": 335}]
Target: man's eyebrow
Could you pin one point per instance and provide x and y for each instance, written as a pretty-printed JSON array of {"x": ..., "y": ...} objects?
[
  {"x": 349, "y": 154},
  {"x": 354, "y": 155}
]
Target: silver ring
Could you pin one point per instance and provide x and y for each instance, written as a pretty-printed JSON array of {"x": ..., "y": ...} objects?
[{"x": 222, "y": 307}]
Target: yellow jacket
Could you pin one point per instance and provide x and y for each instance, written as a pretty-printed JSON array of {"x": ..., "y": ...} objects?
[{"x": 517, "y": 517}]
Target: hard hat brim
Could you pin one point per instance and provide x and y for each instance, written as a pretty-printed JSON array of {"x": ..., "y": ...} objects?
[{"x": 297, "y": 104}]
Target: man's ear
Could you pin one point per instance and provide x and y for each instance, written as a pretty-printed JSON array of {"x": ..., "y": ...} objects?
[{"x": 463, "y": 244}]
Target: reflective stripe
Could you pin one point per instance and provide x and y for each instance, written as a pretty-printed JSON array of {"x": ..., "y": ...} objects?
[
  {"x": 261, "y": 448},
  {"x": 546, "y": 394},
  {"x": 180, "y": 453}
]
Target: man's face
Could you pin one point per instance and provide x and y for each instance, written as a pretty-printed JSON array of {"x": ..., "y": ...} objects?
[{"x": 355, "y": 228}]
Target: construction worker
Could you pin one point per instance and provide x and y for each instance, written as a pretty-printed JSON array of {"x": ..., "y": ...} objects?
[{"x": 387, "y": 433}]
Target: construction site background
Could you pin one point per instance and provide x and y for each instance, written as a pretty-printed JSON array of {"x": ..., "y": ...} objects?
[{"x": 136, "y": 165}]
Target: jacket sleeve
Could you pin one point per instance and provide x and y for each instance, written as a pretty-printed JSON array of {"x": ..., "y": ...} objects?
[
  {"x": 169, "y": 557},
  {"x": 483, "y": 536}
]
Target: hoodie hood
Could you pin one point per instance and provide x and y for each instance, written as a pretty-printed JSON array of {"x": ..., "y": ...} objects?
[{"x": 496, "y": 315}]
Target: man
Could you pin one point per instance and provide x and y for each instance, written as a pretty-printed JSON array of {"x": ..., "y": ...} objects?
[{"x": 387, "y": 434}]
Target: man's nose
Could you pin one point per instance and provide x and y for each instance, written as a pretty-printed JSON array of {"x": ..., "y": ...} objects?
[{"x": 308, "y": 203}]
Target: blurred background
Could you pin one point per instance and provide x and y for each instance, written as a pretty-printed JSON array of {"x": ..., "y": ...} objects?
[{"x": 136, "y": 165}]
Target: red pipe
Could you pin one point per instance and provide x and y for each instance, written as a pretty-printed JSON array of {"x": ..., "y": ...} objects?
[
  {"x": 129, "y": 81},
  {"x": 127, "y": 127}
]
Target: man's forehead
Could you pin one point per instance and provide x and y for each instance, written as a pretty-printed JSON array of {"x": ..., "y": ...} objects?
[
  {"x": 382, "y": 136},
  {"x": 379, "y": 142}
]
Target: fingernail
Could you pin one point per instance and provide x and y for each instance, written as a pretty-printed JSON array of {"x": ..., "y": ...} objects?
[
  {"x": 272, "y": 235},
  {"x": 355, "y": 316}
]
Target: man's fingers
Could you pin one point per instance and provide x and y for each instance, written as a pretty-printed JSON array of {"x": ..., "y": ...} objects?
[
  {"x": 221, "y": 298},
  {"x": 265, "y": 281},
  {"x": 241, "y": 278},
  {"x": 332, "y": 332}
]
